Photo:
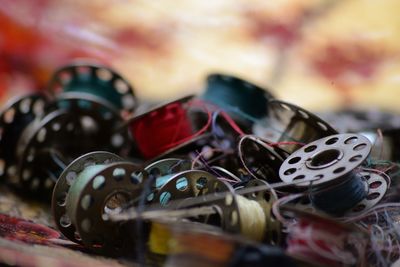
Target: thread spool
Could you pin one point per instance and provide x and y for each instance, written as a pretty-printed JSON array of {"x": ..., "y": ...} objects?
[
  {"x": 95, "y": 80},
  {"x": 17, "y": 114},
  {"x": 91, "y": 163},
  {"x": 260, "y": 158},
  {"x": 96, "y": 193},
  {"x": 82, "y": 128},
  {"x": 234, "y": 213},
  {"x": 319, "y": 241},
  {"x": 164, "y": 129},
  {"x": 287, "y": 122},
  {"x": 236, "y": 96},
  {"x": 330, "y": 164}
]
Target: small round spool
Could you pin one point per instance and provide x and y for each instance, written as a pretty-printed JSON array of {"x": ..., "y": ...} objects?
[
  {"x": 91, "y": 198},
  {"x": 260, "y": 158},
  {"x": 189, "y": 185},
  {"x": 329, "y": 159},
  {"x": 150, "y": 120},
  {"x": 288, "y": 122},
  {"x": 84, "y": 125},
  {"x": 64, "y": 182},
  {"x": 97, "y": 80},
  {"x": 234, "y": 94},
  {"x": 17, "y": 114},
  {"x": 375, "y": 185},
  {"x": 266, "y": 200}
]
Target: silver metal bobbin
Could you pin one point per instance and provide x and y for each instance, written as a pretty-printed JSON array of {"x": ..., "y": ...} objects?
[{"x": 64, "y": 182}]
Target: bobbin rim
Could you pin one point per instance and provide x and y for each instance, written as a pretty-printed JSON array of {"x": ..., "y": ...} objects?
[
  {"x": 94, "y": 67},
  {"x": 296, "y": 166},
  {"x": 16, "y": 104},
  {"x": 62, "y": 186},
  {"x": 228, "y": 78},
  {"x": 98, "y": 234}
]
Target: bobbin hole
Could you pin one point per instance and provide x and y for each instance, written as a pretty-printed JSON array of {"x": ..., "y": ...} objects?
[
  {"x": 25, "y": 105},
  {"x": 119, "y": 174},
  {"x": 351, "y": 140},
  {"x": 99, "y": 182},
  {"x": 65, "y": 77},
  {"x": 165, "y": 197},
  {"x": 331, "y": 141},
  {"x": 182, "y": 184},
  {"x": 9, "y": 115},
  {"x": 299, "y": 177},
  {"x": 115, "y": 203},
  {"x": 324, "y": 158},
  {"x": 65, "y": 221},
  {"x": 339, "y": 170},
  {"x": 359, "y": 147},
  {"x": 294, "y": 160},
  {"x": 372, "y": 196},
  {"x": 310, "y": 148},
  {"x": 86, "y": 202},
  {"x": 136, "y": 177},
  {"x": 375, "y": 184},
  {"x": 104, "y": 74},
  {"x": 355, "y": 158},
  {"x": 322, "y": 126},
  {"x": 290, "y": 171},
  {"x": 38, "y": 107},
  {"x": 61, "y": 200},
  {"x": 359, "y": 208},
  {"x": 201, "y": 183},
  {"x": 121, "y": 86},
  {"x": 303, "y": 114}
]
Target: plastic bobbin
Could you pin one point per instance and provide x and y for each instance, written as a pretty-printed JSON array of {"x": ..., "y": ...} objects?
[
  {"x": 260, "y": 158},
  {"x": 185, "y": 189},
  {"x": 288, "y": 123},
  {"x": 236, "y": 96},
  {"x": 97, "y": 80},
  {"x": 64, "y": 182},
  {"x": 90, "y": 200},
  {"x": 14, "y": 118}
]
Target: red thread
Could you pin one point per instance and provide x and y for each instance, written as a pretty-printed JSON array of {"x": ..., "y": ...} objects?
[{"x": 164, "y": 128}]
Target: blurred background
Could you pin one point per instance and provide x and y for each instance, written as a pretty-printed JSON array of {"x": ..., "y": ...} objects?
[{"x": 320, "y": 54}]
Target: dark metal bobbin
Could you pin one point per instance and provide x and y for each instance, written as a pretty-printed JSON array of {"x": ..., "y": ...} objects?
[
  {"x": 288, "y": 123},
  {"x": 152, "y": 118},
  {"x": 237, "y": 96},
  {"x": 260, "y": 158},
  {"x": 64, "y": 182},
  {"x": 17, "y": 114},
  {"x": 91, "y": 199},
  {"x": 327, "y": 160},
  {"x": 193, "y": 189},
  {"x": 97, "y": 80},
  {"x": 376, "y": 187},
  {"x": 50, "y": 144}
]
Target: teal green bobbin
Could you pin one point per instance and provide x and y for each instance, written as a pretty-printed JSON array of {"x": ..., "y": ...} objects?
[
  {"x": 238, "y": 96},
  {"x": 95, "y": 80}
]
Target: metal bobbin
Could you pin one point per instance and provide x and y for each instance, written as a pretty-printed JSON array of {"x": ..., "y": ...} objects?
[
  {"x": 222, "y": 88},
  {"x": 163, "y": 168},
  {"x": 14, "y": 118},
  {"x": 92, "y": 198},
  {"x": 331, "y": 161},
  {"x": 261, "y": 158},
  {"x": 64, "y": 182},
  {"x": 185, "y": 190},
  {"x": 266, "y": 200},
  {"x": 288, "y": 122},
  {"x": 47, "y": 145},
  {"x": 96, "y": 80},
  {"x": 156, "y": 114}
]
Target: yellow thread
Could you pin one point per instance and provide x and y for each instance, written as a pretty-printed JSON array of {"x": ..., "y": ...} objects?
[
  {"x": 253, "y": 219},
  {"x": 159, "y": 239}
]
